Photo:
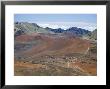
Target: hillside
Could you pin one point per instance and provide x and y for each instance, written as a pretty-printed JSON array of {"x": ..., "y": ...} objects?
[
  {"x": 91, "y": 36},
  {"x": 49, "y": 53},
  {"x": 28, "y": 28}
]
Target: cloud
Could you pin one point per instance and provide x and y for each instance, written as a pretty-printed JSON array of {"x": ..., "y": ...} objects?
[{"x": 66, "y": 25}]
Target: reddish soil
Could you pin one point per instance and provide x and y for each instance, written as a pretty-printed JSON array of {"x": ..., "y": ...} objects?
[{"x": 57, "y": 47}]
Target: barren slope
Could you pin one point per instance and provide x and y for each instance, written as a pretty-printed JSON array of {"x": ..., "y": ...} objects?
[{"x": 39, "y": 54}]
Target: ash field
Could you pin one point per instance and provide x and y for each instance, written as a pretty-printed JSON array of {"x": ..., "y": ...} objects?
[{"x": 46, "y": 51}]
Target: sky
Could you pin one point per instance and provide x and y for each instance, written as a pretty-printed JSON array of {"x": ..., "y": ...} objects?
[{"x": 64, "y": 21}]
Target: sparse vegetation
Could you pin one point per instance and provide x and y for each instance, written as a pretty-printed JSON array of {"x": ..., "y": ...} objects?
[{"x": 39, "y": 52}]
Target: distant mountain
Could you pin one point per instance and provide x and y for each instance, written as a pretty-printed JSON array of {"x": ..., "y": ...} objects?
[
  {"x": 78, "y": 31},
  {"x": 73, "y": 30},
  {"x": 28, "y": 28},
  {"x": 59, "y": 30}
]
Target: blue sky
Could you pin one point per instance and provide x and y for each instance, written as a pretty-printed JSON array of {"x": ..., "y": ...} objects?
[{"x": 87, "y": 21}]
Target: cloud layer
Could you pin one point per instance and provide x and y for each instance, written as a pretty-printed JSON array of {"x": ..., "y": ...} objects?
[{"x": 66, "y": 25}]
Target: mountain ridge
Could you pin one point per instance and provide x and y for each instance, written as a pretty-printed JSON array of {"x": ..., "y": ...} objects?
[{"x": 24, "y": 27}]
